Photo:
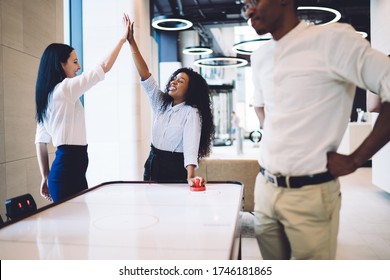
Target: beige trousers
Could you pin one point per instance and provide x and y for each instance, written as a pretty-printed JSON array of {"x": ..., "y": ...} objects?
[{"x": 297, "y": 223}]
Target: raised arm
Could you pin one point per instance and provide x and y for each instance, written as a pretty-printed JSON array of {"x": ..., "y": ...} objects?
[
  {"x": 139, "y": 61},
  {"x": 109, "y": 61}
]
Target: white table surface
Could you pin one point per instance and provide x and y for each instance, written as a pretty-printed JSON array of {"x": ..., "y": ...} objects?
[{"x": 132, "y": 221}]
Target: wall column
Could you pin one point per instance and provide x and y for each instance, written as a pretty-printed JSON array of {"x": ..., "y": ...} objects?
[
  {"x": 380, "y": 9},
  {"x": 27, "y": 27},
  {"x": 118, "y": 114}
]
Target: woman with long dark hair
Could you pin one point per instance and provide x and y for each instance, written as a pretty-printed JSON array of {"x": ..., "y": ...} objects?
[
  {"x": 60, "y": 117},
  {"x": 183, "y": 127}
]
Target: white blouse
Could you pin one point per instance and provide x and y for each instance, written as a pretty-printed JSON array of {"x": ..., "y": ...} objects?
[
  {"x": 177, "y": 129},
  {"x": 64, "y": 123}
]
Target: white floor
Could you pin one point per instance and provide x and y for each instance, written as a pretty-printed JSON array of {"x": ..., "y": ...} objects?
[{"x": 364, "y": 218}]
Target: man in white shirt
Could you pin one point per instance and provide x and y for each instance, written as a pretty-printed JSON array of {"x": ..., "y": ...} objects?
[{"x": 306, "y": 78}]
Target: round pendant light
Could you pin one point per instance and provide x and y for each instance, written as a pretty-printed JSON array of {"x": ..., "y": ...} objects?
[
  {"x": 221, "y": 62},
  {"x": 318, "y": 15},
  {"x": 198, "y": 50},
  {"x": 249, "y": 46},
  {"x": 364, "y": 34},
  {"x": 171, "y": 23}
]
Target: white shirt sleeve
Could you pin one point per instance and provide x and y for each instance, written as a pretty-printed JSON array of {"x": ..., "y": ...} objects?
[
  {"x": 258, "y": 99},
  {"x": 153, "y": 91},
  {"x": 361, "y": 64},
  {"x": 75, "y": 87},
  {"x": 191, "y": 138},
  {"x": 41, "y": 135}
]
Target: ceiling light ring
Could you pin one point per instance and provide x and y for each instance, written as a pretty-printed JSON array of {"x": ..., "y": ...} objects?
[
  {"x": 177, "y": 23},
  {"x": 197, "y": 50},
  {"x": 362, "y": 33},
  {"x": 336, "y": 13},
  {"x": 206, "y": 62},
  {"x": 239, "y": 47}
]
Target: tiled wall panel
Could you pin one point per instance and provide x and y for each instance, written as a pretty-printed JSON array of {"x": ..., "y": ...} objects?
[{"x": 26, "y": 28}]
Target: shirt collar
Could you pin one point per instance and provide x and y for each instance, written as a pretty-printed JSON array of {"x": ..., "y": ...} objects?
[
  {"x": 292, "y": 33},
  {"x": 177, "y": 107}
]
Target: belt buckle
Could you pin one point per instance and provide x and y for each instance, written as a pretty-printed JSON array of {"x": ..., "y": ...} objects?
[{"x": 271, "y": 178}]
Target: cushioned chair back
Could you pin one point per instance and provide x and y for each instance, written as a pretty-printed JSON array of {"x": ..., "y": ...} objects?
[{"x": 241, "y": 170}]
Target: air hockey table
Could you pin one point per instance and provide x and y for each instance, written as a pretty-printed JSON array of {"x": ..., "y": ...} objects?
[{"x": 132, "y": 221}]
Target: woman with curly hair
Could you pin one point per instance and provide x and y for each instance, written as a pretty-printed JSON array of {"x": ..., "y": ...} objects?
[{"x": 183, "y": 127}]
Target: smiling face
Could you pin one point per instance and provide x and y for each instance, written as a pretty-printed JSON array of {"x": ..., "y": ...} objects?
[
  {"x": 178, "y": 88},
  {"x": 72, "y": 66}
]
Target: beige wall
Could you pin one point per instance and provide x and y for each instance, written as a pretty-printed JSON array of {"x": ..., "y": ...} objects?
[{"x": 26, "y": 28}]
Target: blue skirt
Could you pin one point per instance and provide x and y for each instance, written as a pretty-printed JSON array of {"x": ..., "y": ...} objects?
[{"x": 67, "y": 174}]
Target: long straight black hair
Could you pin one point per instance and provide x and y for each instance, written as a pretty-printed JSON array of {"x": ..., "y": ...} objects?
[
  {"x": 50, "y": 73},
  {"x": 197, "y": 96}
]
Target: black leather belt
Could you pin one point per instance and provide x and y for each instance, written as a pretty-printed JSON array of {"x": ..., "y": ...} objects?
[{"x": 296, "y": 181}]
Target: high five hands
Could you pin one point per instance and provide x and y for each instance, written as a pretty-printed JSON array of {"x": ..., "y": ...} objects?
[{"x": 130, "y": 28}]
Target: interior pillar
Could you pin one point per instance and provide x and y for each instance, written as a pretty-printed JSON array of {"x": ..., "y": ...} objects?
[
  {"x": 118, "y": 114},
  {"x": 380, "y": 25}
]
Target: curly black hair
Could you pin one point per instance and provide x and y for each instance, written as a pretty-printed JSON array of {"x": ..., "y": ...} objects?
[{"x": 197, "y": 96}]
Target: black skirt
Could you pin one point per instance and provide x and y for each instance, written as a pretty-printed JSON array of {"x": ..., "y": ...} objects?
[
  {"x": 164, "y": 166},
  {"x": 67, "y": 173}
]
